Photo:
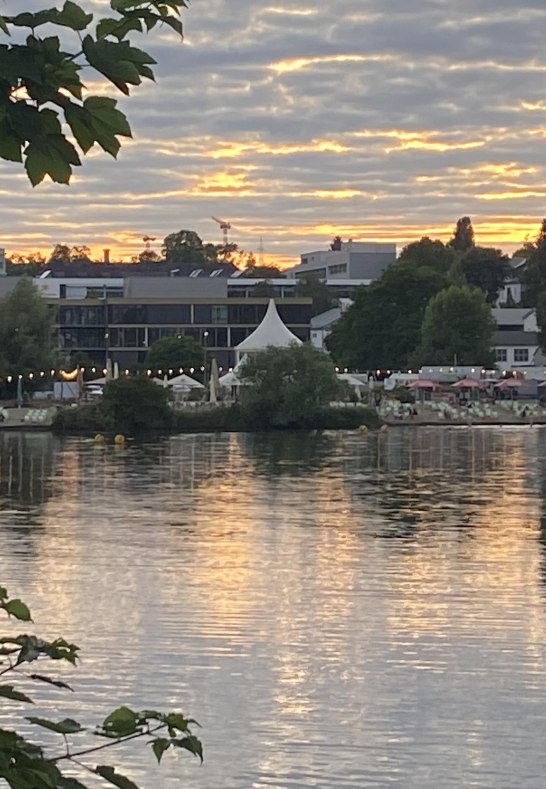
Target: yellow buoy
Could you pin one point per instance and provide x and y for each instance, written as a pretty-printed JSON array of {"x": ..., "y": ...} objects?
[
  {"x": 362, "y": 430},
  {"x": 119, "y": 439},
  {"x": 99, "y": 438},
  {"x": 384, "y": 429}
]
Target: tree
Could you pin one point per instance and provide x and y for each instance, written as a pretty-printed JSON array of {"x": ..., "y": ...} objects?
[
  {"x": 264, "y": 289},
  {"x": 31, "y": 264},
  {"x": 336, "y": 243},
  {"x": 382, "y": 328},
  {"x": 184, "y": 247},
  {"x": 426, "y": 252},
  {"x": 26, "y": 331},
  {"x": 541, "y": 319},
  {"x": 175, "y": 352},
  {"x": 135, "y": 404},
  {"x": 534, "y": 274},
  {"x": 25, "y": 765},
  {"x": 463, "y": 235},
  {"x": 147, "y": 256},
  {"x": 457, "y": 328},
  {"x": 486, "y": 269},
  {"x": 255, "y": 271},
  {"x": 80, "y": 254},
  {"x": 288, "y": 387},
  {"x": 314, "y": 288},
  {"x": 60, "y": 254},
  {"x": 42, "y": 91}
]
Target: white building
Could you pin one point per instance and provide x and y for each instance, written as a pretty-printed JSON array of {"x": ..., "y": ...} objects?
[
  {"x": 355, "y": 260},
  {"x": 515, "y": 341}
]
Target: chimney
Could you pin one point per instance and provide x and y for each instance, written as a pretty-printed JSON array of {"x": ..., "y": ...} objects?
[{"x": 106, "y": 256}]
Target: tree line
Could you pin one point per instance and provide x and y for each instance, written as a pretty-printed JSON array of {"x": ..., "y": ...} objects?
[{"x": 433, "y": 306}]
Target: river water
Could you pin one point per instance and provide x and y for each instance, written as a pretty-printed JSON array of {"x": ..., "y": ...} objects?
[{"x": 335, "y": 610}]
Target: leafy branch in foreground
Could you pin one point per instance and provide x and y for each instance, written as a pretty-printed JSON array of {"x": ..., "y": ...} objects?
[
  {"x": 42, "y": 95},
  {"x": 25, "y": 765}
]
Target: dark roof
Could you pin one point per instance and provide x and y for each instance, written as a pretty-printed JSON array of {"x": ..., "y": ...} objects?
[
  {"x": 161, "y": 268},
  {"x": 515, "y": 338}
]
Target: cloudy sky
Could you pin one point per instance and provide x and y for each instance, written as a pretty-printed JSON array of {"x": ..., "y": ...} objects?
[{"x": 295, "y": 121}]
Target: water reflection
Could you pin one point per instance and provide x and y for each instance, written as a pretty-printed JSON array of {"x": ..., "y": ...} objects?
[{"x": 338, "y": 611}]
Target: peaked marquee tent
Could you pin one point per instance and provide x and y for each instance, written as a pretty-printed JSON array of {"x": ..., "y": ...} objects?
[{"x": 270, "y": 332}]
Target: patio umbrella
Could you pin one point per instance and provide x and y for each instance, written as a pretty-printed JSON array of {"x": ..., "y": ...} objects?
[
  {"x": 423, "y": 383},
  {"x": 511, "y": 383},
  {"x": 214, "y": 383},
  {"x": 468, "y": 383}
]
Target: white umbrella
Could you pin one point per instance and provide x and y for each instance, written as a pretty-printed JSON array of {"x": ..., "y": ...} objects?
[
  {"x": 230, "y": 379},
  {"x": 214, "y": 383},
  {"x": 185, "y": 380}
]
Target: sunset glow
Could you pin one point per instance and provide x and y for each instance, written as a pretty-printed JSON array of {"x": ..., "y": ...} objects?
[{"x": 298, "y": 122}]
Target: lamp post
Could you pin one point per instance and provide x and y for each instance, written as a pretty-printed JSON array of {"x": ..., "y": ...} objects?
[
  {"x": 106, "y": 328},
  {"x": 205, "y": 341}
]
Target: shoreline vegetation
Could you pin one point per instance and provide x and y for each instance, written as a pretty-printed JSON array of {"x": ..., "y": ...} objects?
[{"x": 90, "y": 419}]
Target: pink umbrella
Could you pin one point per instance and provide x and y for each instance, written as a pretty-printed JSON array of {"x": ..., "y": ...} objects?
[
  {"x": 423, "y": 383},
  {"x": 468, "y": 383},
  {"x": 510, "y": 383}
]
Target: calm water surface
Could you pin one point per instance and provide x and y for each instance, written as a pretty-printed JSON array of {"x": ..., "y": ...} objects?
[{"x": 336, "y": 611}]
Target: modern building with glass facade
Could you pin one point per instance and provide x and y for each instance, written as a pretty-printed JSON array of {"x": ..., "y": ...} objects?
[{"x": 122, "y": 328}]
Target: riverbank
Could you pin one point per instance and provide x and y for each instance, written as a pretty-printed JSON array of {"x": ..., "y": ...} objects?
[
  {"x": 28, "y": 418},
  {"x": 90, "y": 419}
]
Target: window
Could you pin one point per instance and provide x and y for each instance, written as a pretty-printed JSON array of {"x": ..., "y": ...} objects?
[
  {"x": 521, "y": 354},
  {"x": 501, "y": 354},
  {"x": 339, "y": 268},
  {"x": 219, "y": 313}
]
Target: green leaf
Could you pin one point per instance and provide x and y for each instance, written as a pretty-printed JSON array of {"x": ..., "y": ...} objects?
[
  {"x": 56, "y": 682},
  {"x": 159, "y": 746},
  {"x": 9, "y": 692},
  {"x": 3, "y": 27},
  {"x": 73, "y": 16},
  {"x": 29, "y": 649},
  {"x": 104, "y": 122},
  {"x": 110, "y": 775},
  {"x": 40, "y": 162},
  {"x": 191, "y": 744},
  {"x": 121, "y": 722},
  {"x": 3, "y": 593},
  {"x": 176, "y": 720},
  {"x": 69, "y": 783},
  {"x": 117, "y": 61},
  {"x": 66, "y": 726},
  {"x": 18, "y": 609}
]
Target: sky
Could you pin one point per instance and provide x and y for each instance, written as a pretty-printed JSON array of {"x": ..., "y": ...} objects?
[{"x": 378, "y": 120}]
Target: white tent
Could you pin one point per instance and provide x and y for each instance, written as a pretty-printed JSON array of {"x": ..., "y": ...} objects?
[
  {"x": 230, "y": 379},
  {"x": 270, "y": 332},
  {"x": 185, "y": 380},
  {"x": 354, "y": 382}
]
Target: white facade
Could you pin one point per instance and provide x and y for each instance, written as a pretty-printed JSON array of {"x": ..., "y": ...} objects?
[{"x": 355, "y": 260}]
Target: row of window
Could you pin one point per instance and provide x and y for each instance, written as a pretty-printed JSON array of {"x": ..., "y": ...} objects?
[
  {"x": 520, "y": 354},
  {"x": 125, "y": 337},
  {"x": 178, "y": 314}
]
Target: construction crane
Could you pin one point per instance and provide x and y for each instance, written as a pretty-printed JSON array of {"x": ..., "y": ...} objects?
[{"x": 224, "y": 227}]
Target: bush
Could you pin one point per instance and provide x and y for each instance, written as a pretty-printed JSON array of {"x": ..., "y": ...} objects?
[
  {"x": 88, "y": 418},
  {"x": 288, "y": 387},
  {"x": 222, "y": 418},
  {"x": 133, "y": 404},
  {"x": 130, "y": 405}
]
